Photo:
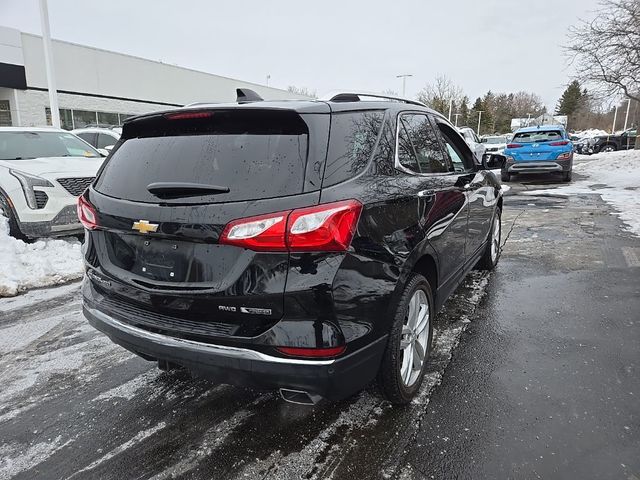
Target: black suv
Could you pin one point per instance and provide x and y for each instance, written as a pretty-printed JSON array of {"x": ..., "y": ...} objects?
[
  {"x": 610, "y": 143},
  {"x": 299, "y": 245}
]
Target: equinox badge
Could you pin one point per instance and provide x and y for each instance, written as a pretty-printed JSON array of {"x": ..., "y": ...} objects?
[{"x": 143, "y": 226}]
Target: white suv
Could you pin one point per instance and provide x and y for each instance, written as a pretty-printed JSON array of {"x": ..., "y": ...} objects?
[
  {"x": 42, "y": 172},
  {"x": 99, "y": 137}
]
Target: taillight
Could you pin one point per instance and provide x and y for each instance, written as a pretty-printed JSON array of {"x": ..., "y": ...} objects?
[
  {"x": 261, "y": 233},
  {"x": 515, "y": 145},
  {"x": 560, "y": 143},
  {"x": 564, "y": 156},
  {"x": 322, "y": 228},
  {"x": 326, "y": 228},
  {"x": 87, "y": 214},
  {"x": 313, "y": 352}
]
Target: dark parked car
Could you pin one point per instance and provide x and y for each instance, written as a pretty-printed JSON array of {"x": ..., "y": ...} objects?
[
  {"x": 610, "y": 143},
  {"x": 299, "y": 245}
]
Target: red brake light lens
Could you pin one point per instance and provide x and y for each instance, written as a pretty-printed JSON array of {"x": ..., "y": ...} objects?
[
  {"x": 87, "y": 214},
  {"x": 322, "y": 228},
  {"x": 313, "y": 352},
  {"x": 326, "y": 228},
  {"x": 260, "y": 233},
  {"x": 560, "y": 143},
  {"x": 515, "y": 145},
  {"x": 187, "y": 115}
]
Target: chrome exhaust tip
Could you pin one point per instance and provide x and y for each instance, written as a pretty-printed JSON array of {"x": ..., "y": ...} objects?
[{"x": 299, "y": 397}]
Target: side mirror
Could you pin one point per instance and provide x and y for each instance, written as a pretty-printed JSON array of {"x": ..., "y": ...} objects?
[
  {"x": 103, "y": 151},
  {"x": 491, "y": 161}
]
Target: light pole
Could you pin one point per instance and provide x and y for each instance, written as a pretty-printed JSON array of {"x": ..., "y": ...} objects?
[
  {"x": 479, "y": 118},
  {"x": 615, "y": 117},
  {"x": 48, "y": 61},
  {"x": 528, "y": 119},
  {"x": 268, "y": 78},
  {"x": 450, "y": 108},
  {"x": 404, "y": 82},
  {"x": 626, "y": 118},
  {"x": 457, "y": 115}
]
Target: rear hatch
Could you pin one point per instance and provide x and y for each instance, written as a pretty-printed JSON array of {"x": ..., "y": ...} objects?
[
  {"x": 538, "y": 146},
  {"x": 163, "y": 198}
]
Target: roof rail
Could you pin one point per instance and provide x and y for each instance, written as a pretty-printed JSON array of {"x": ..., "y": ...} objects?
[{"x": 354, "y": 96}]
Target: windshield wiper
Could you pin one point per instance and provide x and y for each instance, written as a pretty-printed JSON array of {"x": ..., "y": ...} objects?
[{"x": 184, "y": 189}]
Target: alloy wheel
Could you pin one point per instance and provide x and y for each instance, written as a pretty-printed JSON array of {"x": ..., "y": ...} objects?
[
  {"x": 415, "y": 338},
  {"x": 495, "y": 238}
]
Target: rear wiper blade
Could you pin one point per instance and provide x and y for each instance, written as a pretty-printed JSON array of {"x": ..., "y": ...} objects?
[{"x": 184, "y": 189}]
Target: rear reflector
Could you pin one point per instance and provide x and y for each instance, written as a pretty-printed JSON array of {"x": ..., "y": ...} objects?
[
  {"x": 187, "y": 115},
  {"x": 322, "y": 228},
  {"x": 559, "y": 144},
  {"x": 515, "y": 145},
  {"x": 87, "y": 214},
  {"x": 313, "y": 352}
]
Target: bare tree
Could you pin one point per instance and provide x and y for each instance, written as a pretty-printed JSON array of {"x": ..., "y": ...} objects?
[
  {"x": 440, "y": 93},
  {"x": 606, "y": 50},
  {"x": 302, "y": 91}
]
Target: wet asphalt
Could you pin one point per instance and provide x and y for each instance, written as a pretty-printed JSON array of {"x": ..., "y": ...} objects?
[{"x": 534, "y": 374}]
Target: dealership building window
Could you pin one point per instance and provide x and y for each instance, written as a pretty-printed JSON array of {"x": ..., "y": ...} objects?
[
  {"x": 5, "y": 113},
  {"x": 71, "y": 118}
]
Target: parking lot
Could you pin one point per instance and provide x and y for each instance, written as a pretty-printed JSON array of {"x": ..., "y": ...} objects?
[{"x": 534, "y": 374}]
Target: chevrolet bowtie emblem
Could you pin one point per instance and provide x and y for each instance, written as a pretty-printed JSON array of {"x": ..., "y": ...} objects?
[{"x": 143, "y": 226}]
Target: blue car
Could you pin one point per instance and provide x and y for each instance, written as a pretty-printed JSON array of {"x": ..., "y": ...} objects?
[{"x": 538, "y": 150}]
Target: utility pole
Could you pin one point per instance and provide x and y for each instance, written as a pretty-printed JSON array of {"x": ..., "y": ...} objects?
[
  {"x": 48, "y": 61},
  {"x": 615, "y": 117},
  {"x": 479, "y": 118},
  {"x": 404, "y": 82},
  {"x": 626, "y": 118},
  {"x": 457, "y": 115}
]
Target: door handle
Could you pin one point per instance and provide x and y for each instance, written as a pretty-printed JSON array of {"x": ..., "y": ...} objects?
[{"x": 426, "y": 193}]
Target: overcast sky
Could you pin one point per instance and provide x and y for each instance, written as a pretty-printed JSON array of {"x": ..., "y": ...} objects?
[{"x": 502, "y": 45}]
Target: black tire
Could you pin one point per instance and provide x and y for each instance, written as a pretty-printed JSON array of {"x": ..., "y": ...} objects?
[
  {"x": 505, "y": 176},
  {"x": 609, "y": 147},
  {"x": 566, "y": 176},
  {"x": 390, "y": 381},
  {"x": 488, "y": 261},
  {"x": 7, "y": 211}
]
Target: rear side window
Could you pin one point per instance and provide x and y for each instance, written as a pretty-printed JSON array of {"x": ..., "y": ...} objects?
[
  {"x": 353, "y": 138},
  {"x": 419, "y": 148},
  {"x": 257, "y": 154},
  {"x": 537, "y": 136}
]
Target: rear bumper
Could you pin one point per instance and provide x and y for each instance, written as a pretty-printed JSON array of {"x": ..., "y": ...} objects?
[
  {"x": 540, "y": 167},
  {"x": 333, "y": 379}
]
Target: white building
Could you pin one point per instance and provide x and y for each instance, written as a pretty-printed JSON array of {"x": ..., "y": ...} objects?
[{"x": 100, "y": 87}]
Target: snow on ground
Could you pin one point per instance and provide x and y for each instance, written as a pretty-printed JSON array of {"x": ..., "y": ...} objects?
[
  {"x": 616, "y": 177},
  {"x": 39, "y": 264}
]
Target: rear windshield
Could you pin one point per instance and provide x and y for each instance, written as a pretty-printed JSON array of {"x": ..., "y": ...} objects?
[
  {"x": 30, "y": 144},
  {"x": 537, "y": 136},
  {"x": 255, "y": 154},
  {"x": 495, "y": 140}
]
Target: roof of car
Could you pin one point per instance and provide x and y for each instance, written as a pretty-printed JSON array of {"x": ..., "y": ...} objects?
[
  {"x": 299, "y": 106},
  {"x": 541, "y": 127},
  {"x": 32, "y": 129},
  {"x": 94, "y": 130}
]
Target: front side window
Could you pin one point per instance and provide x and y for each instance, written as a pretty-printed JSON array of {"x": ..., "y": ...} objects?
[
  {"x": 419, "y": 149},
  {"x": 30, "y": 144},
  {"x": 105, "y": 140},
  {"x": 457, "y": 149}
]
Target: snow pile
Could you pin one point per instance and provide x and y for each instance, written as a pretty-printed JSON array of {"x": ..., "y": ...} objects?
[
  {"x": 616, "y": 177},
  {"x": 591, "y": 133},
  {"x": 39, "y": 264}
]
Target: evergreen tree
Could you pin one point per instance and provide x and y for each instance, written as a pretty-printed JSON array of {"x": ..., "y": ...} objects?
[{"x": 571, "y": 100}]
